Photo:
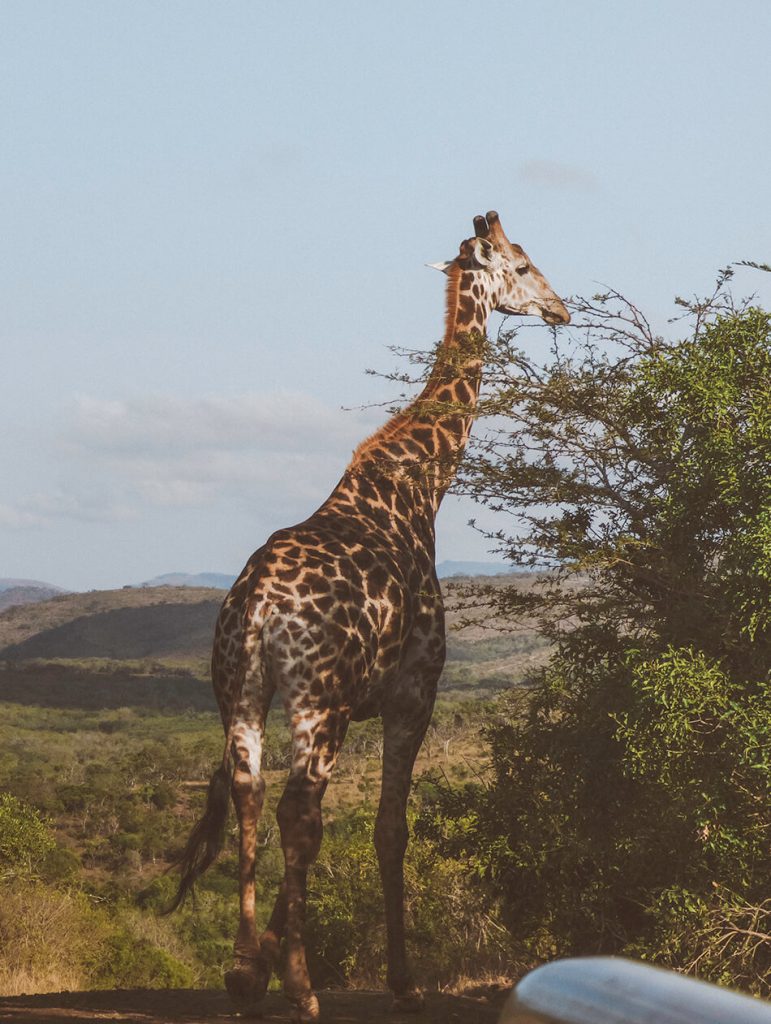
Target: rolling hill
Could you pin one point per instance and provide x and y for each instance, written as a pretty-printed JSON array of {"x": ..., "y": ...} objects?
[
  {"x": 116, "y": 624},
  {"x": 19, "y": 591}
]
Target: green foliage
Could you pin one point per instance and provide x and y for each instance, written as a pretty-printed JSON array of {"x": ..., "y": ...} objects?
[
  {"x": 452, "y": 931},
  {"x": 204, "y": 926},
  {"x": 123, "y": 961},
  {"x": 610, "y": 795},
  {"x": 60, "y": 865},
  {"x": 120, "y": 804},
  {"x": 689, "y": 720},
  {"x": 628, "y": 805},
  {"x": 25, "y": 838},
  {"x": 344, "y": 893},
  {"x": 123, "y": 788},
  {"x": 712, "y": 512},
  {"x": 55, "y": 939},
  {"x": 640, "y": 467}
]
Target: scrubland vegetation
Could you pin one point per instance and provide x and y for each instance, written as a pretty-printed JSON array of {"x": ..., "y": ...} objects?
[
  {"x": 602, "y": 786},
  {"x": 97, "y": 803}
]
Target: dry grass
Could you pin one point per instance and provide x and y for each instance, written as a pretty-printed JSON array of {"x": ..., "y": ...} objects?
[{"x": 45, "y": 937}]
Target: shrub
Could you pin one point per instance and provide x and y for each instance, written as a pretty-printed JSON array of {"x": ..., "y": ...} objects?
[
  {"x": 125, "y": 961},
  {"x": 46, "y": 936},
  {"x": 451, "y": 931},
  {"x": 25, "y": 838}
]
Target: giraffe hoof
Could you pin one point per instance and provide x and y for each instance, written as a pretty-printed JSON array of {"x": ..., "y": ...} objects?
[
  {"x": 247, "y": 983},
  {"x": 305, "y": 1009},
  {"x": 409, "y": 1002}
]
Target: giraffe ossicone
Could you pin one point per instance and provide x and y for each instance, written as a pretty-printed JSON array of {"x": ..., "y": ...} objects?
[{"x": 342, "y": 617}]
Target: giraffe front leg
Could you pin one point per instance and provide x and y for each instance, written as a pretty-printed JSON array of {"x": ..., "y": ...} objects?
[{"x": 401, "y": 741}]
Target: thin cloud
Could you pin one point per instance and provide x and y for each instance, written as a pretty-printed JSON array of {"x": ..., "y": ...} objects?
[
  {"x": 278, "y": 454},
  {"x": 16, "y": 516},
  {"x": 41, "y": 510},
  {"x": 275, "y": 422}
]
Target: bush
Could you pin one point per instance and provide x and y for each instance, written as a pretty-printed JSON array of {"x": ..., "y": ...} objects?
[
  {"x": 451, "y": 932},
  {"x": 59, "y": 865},
  {"x": 54, "y": 939},
  {"x": 125, "y": 961},
  {"x": 46, "y": 936},
  {"x": 620, "y": 806},
  {"x": 25, "y": 838}
]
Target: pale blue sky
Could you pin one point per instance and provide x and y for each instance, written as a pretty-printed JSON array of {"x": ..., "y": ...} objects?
[{"x": 215, "y": 217}]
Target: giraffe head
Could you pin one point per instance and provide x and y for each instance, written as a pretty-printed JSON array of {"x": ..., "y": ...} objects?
[{"x": 505, "y": 273}]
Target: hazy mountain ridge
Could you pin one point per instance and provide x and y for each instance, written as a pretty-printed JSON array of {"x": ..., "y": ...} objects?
[
  {"x": 217, "y": 580},
  {"x": 448, "y": 569},
  {"x": 225, "y": 581},
  {"x": 156, "y": 631},
  {"x": 13, "y": 596},
  {"x": 10, "y": 583}
]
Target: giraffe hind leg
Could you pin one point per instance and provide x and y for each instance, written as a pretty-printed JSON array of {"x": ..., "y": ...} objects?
[
  {"x": 316, "y": 745},
  {"x": 299, "y": 818},
  {"x": 247, "y": 980}
]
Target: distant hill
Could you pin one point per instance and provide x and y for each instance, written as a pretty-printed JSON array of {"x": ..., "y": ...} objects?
[
  {"x": 219, "y": 580},
  {"x": 11, "y": 596},
  {"x": 9, "y": 582},
  {"x": 115, "y": 624},
  {"x": 19, "y": 591},
  {"x": 225, "y": 581},
  {"x": 448, "y": 569}
]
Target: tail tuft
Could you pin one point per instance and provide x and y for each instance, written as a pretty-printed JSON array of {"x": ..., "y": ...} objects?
[{"x": 206, "y": 839}]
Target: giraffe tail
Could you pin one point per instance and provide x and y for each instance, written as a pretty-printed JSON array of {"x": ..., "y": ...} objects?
[{"x": 207, "y": 838}]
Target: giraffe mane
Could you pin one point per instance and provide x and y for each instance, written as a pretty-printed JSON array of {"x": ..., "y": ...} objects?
[{"x": 452, "y": 299}]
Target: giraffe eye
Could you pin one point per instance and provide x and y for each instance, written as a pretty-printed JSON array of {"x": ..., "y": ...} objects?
[{"x": 523, "y": 270}]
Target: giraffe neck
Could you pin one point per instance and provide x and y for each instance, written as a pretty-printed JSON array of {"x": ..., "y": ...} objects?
[
  {"x": 458, "y": 362},
  {"x": 416, "y": 453}
]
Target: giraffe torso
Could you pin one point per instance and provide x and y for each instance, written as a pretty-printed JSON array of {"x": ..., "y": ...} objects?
[{"x": 328, "y": 614}]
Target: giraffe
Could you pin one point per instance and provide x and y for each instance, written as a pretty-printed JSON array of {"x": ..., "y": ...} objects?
[{"x": 341, "y": 616}]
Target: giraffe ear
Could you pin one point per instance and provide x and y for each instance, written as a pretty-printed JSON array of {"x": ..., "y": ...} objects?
[
  {"x": 444, "y": 267},
  {"x": 483, "y": 251}
]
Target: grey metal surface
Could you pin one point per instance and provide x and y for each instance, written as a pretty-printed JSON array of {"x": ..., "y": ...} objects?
[{"x": 610, "y": 990}]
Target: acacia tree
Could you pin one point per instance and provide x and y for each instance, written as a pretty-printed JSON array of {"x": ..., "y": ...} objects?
[
  {"x": 639, "y": 464},
  {"x": 628, "y": 807}
]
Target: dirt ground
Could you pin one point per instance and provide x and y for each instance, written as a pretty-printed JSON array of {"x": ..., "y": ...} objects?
[{"x": 202, "y": 1007}]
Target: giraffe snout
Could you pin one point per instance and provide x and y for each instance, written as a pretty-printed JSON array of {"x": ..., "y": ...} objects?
[{"x": 555, "y": 313}]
